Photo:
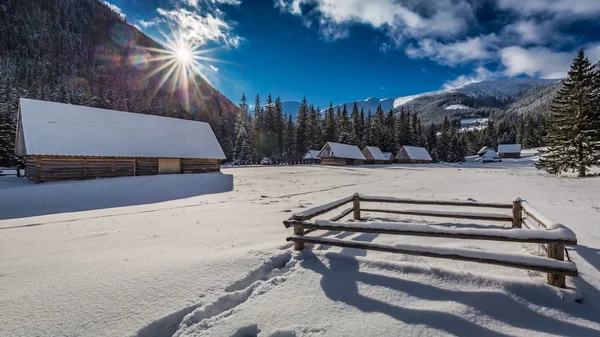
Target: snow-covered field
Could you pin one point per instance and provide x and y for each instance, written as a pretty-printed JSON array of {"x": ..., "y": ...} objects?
[{"x": 205, "y": 255}]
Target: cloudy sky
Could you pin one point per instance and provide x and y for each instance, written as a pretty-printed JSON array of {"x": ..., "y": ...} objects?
[{"x": 345, "y": 50}]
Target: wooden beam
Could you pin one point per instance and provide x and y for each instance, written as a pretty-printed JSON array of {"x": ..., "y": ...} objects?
[
  {"x": 316, "y": 211},
  {"x": 335, "y": 218},
  {"x": 432, "y": 202},
  {"x": 441, "y": 214},
  {"x": 507, "y": 260},
  {"x": 505, "y": 235},
  {"x": 517, "y": 213},
  {"x": 356, "y": 206}
]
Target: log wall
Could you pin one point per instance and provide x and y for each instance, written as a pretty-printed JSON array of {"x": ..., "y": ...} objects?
[{"x": 54, "y": 168}]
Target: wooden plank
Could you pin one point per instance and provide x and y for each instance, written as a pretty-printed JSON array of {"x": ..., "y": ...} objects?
[
  {"x": 316, "y": 211},
  {"x": 335, "y": 218},
  {"x": 441, "y": 214},
  {"x": 424, "y": 230},
  {"x": 432, "y": 202},
  {"x": 507, "y": 260}
]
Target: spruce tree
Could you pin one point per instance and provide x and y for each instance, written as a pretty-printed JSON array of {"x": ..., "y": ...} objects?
[
  {"x": 289, "y": 152},
  {"x": 355, "y": 129},
  {"x": 301, "y": 128},
  {"x": 344, "y": 127},
  {"x": 443, "y": 142},
  {"x": 329, "y": 128},
  {"x": 362, "y": 128},
  {"x": 572, "y": 130},
  {"x": 367, "y": 130}
]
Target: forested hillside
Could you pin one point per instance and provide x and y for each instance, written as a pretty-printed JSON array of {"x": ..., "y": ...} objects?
[{"x": 81, "y": 52}]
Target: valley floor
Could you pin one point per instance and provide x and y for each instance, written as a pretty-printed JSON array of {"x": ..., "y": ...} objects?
[{"x": 205, "y": 255}]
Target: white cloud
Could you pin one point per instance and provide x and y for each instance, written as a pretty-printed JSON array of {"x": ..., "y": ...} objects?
[
  {"x": 532, "y": 7},
  {"x": 471, "y": 49},
  {"x": 196, "y": 3},
  {"x": 480, "y": 74},
  {"x": 147, "y": 24},
  {"x": 115, "y": 9},
  {"x": 213, "y": 68},
  {"x": 201, "y": 29},
  {"x": 536, "y": 61},
  {"x": 399, "y": 20}
]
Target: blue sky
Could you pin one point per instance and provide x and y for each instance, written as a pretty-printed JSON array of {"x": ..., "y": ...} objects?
[{"x": 346, "y": 50}]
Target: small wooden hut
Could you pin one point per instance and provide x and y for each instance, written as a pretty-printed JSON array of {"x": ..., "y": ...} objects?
[
  {"x": 509, "y": 150},
  {"x": 311, "y": 157},
  {"x": 65, "y": 142},
  {"x": 373, "y": 155},
  {"x": 389, "y": 157},
  {"x": 413, "y": 155},
  {"x": 341, "y": 154}
]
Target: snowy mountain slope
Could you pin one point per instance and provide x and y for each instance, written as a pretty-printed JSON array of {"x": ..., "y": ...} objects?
[{"x": 481, "y": 94}]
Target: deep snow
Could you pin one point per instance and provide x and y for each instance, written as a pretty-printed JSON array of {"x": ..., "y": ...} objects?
[{"x": 205, "y": 255}]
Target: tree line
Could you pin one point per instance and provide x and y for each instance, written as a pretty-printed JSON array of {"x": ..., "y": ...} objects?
[{"x": 265, "y": 131}]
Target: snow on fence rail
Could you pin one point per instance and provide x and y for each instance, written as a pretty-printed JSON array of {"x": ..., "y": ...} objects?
[{"x": 555, "y": 236}]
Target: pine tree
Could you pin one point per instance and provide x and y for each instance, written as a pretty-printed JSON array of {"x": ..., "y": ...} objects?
[
  {"x": 572, "y": 131},
  {"x": 289, "y": 152},
  {"x": 389, "y": 143},
  {"x": 329, "y": 134},
  {"x": 258, "y": 129},
  {"x": 301, "y": 128},
  {"x": 344, "y": 127},
  {"x": 443, "y": 142},
  {"x": 313, "y": 129},
  {"x": 367, "y": 130},
  {"x": 355, "y": 128},
  {"x": 362, "y": 131},
  {"x": 242, "y": 148}
]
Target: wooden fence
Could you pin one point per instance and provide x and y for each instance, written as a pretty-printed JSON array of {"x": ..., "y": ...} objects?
[{"x": 526, "y": 225}]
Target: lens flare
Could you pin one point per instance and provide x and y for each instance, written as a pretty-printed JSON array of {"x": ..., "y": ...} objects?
[{"x": 179, "y": 62}]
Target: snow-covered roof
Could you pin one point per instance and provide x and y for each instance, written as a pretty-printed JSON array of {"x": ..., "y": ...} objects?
[
  {"x": 388, "y": 155},
  {"x": 490, "y": 153},
  {"x": 376, "y": 153},
  {"x": 509, "y": 148},
  {"x": 311, "y": 154},
  {"x": 341, "y": 151},
  {"x": 69, "y": 130},
  {"x": 417, "y": 153}
]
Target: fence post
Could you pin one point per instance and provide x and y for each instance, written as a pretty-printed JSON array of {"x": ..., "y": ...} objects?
[
  {"x": 517, "y": 213},
  {"x": 356, "y": 204},
  {"x": 556, "y": 251},
  {"x": 300, "y": 232}
]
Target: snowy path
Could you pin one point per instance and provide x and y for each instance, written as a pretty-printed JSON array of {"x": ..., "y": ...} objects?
[{"x": 111, "y": 257}]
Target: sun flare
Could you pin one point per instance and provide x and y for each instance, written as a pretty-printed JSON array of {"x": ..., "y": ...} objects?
[
  {"x": 183, "y": 54},
  {"x": 178, "y": 63}
]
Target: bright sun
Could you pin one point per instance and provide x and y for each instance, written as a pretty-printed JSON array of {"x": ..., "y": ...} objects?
[{"x": 183, "y": 55}]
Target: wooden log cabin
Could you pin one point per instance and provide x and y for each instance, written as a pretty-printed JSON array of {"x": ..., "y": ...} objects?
[
  {"x": 341, "y": 154},
  {"x": 66, "y": 142},
  {"x": 413, "y": 155},
  {"x": 374, "y": 155}
]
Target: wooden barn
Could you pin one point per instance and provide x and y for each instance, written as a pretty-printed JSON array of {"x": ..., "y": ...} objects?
[
  {"x": 373, "y": 155},
  {"x": 341, "y": 154},
  {"x": 64, "y": 142},
  {"x": 413, "y": 155},
  {"x": 389, "y": 157},
  {"x": 311, "y": 157},
  {"x": 509, "y": 150}
]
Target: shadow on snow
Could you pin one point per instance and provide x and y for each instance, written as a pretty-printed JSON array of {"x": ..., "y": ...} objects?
[{"x": 75, "y": 196}]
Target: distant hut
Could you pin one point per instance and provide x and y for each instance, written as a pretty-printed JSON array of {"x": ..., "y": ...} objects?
[
  {"x": 311, "y": 157},
  {"x": 65, "y": 142},
  {"x": 389, "y": 157},
  {"x": 489, "y": 156},
  {"x": 340, "y": 154},
  {"x": 509, "y": 150},
  {"x": 373, "y": 155},
  {"x": 413, "y": 155}
]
